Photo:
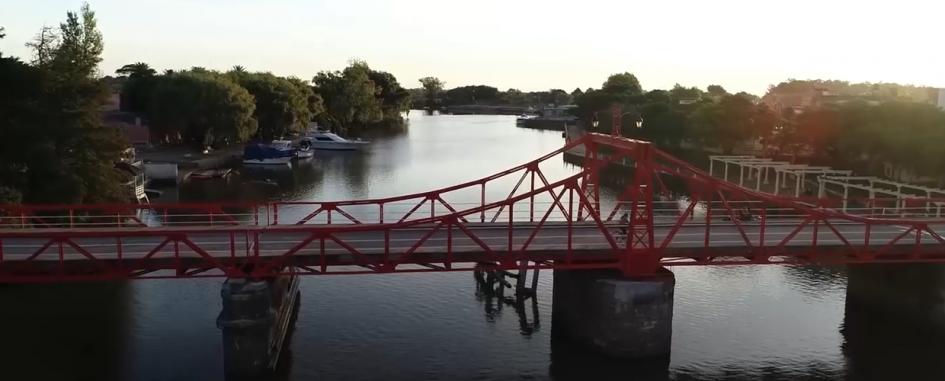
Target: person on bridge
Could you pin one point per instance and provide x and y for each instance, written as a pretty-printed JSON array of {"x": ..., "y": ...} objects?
[{"x": 624, "y": 225}]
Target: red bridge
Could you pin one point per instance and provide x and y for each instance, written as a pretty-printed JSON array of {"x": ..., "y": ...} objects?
[{"x": 538, "y": 223}]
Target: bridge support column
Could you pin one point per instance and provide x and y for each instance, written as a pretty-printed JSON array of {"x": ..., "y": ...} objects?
[
  {"x": 256, "y": 318},
  {"x": 615, "y": 315},
  {"x": 911, "y": 293}
]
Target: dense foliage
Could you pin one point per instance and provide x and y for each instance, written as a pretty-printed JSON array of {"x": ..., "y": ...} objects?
[
  {"x": 860, "y": 126},
  {"x": 432, "y": 96},
  {"x": 53, "y": 146},
  {"x": 201, "y": 108},
  {"x": 359, "y": 97},
  {"x": 864, "y": 135},
  {"x": 870, "y": 91},
  {"x": 282, "y": 105}
]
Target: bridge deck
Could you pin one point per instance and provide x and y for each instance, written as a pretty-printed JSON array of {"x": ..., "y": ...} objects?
[{"x": 304, "y": 245}]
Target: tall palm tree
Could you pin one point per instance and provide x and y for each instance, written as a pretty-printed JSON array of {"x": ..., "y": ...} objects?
[{"x": 136, "y": 70}]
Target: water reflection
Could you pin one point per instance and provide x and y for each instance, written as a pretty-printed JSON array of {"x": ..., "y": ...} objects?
[
  {"x": 573, "y": 362},
  {"x": 813, "y": 281},
  {"x": 491, "y": 287},
  {"x": 879, "y": 345},
  {"x": 65, "y": 331}
]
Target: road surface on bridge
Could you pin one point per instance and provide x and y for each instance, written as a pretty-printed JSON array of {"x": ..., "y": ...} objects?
[{"x": 372, "y": 245}]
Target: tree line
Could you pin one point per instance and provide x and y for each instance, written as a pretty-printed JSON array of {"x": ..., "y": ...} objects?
[
  {"x": 858, "y": 126},
  {"x": 432, "y": 95},
  {"x": 713, "y": 117},
  {"x": 867, "y": 136},
  {"x": 203, "y": 107}
]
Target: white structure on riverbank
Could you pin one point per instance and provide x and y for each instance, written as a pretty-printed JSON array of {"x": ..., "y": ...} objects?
[{"x": 941, "y": 99}]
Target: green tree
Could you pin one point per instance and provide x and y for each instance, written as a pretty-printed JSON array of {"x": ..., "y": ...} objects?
[
  {"x": 315, "y": 103},
  {"x": 559, "y": 97},
  {"x": 137, "y": 89},
  {"x": 432, "y": 87},
  {"x": 350, "y": 98},
  {"x": 53, "y": 146},
  {"x": 21, "y": 128},
  {"x": 750, "y": 97},
  {"x": 904, "y": 134},
  {"x": 623, "y": 88},
  {"x": 716, "y": 91},
  {"x": 44, "y": 45},
  {"x": 514, "y": 97},
  {"x": 663, "y": 122},
  {"x": 202, "y": 108},
  {"x": 681, "y": 94},
  {"x": 466, "y": 95},
  {"x": 282, "y": 107},
  {"x": 764, "y": 122},
  {"x": 136, "y": 70},
  {"x": 393, "y": 97},
  {"x": 725, "y": 123}
]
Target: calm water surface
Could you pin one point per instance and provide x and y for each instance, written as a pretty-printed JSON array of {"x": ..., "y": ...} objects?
[{"x": 730, "y": 323}]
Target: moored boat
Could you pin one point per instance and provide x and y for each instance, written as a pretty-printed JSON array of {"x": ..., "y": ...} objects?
[
  {"x": 210, "y": 173},
  {"x": 304, "y": 150},
  {"x": 279, "y": 152},
  {"x": 325, "y": 140}
]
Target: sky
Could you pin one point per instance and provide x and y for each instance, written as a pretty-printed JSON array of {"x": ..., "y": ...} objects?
[{"x": 523, "y": 44}]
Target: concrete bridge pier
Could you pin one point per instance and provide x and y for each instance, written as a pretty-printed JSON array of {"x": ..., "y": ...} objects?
[
  {"x": 913, "y": 294},
  {"x": 614, "y": 315},
  {"x": 256, "y": 318}
]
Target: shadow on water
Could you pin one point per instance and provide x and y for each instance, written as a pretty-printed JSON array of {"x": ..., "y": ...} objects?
[
  {"x": 491, "y": 287},
  {"x": 573, "y": 362},
  {"x": 877, "y": 346},
  {"x": 283, "y": 370},
  {"x": 84, "y": 328}
]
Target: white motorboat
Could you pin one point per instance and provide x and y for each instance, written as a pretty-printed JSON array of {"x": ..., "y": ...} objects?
[{"x": 324, "y": 140}]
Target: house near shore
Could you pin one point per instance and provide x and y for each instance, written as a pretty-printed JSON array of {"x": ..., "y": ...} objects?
[{"x": 132, "y": 126}]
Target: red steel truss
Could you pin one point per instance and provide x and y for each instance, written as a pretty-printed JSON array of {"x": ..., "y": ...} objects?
[{"x": 521, "y": 219}]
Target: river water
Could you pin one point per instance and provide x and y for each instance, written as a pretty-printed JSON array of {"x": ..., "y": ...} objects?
[{"x": 751, "y": 322}]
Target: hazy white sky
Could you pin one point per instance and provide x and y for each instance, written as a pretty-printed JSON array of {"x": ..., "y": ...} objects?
[{"x": 529, "y": 45}]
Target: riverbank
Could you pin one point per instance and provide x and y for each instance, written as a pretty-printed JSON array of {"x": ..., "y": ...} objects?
[
  {"x": 483, "y": 110},
  {"x": 173, "y": 164}
]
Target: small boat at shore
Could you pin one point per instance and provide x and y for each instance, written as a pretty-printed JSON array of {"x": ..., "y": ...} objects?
[
  {"x": 279, "y": 152},
  {"x": 324, "y": 140},
  {"x": 304, "y": 150},
  {"x": 524, "y": 118},
  {"x": 204, "y": 174}
]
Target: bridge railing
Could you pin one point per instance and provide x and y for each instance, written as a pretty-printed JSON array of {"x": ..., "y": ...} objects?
[
  {"x": 742, "y": 226},
  {"x": 112, "y": 216},
  {"x": 439, "y": 243},
  {"x": 757, "y": 232}
]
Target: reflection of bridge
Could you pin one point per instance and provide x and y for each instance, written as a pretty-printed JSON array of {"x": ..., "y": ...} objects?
[
  {"x": 519, "y": 219},
  {"x": 534, "y": 223}
]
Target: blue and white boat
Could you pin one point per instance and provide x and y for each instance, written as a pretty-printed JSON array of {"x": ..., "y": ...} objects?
[{"x": 279, "y": 152}]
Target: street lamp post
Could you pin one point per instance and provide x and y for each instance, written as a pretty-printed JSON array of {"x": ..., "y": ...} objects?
[{"x": 617, "y": 121}]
